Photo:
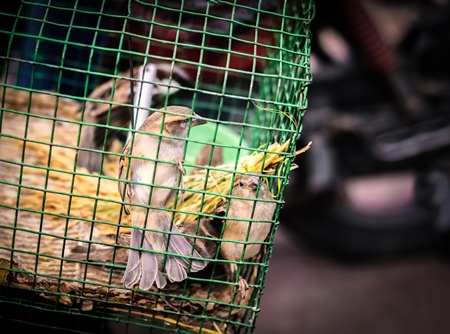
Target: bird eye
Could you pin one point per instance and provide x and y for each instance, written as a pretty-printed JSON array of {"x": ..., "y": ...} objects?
[
  {"x": 241, "y": 184},
  {"x": 184, "y": 120}
]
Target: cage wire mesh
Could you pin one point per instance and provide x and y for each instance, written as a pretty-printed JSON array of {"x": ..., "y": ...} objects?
[{"x": 74, "y": 76}]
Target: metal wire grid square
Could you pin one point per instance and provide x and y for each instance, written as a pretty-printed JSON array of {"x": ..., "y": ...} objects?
[{"x": 247, "y": 68}]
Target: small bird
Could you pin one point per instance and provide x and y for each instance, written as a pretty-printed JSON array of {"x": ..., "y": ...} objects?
[
  {"x": 204, "y": 158},
  {"x": 112, "y": 111},
  {"x": 238, "y": 230},
  {"x": 160, "y": 178}
]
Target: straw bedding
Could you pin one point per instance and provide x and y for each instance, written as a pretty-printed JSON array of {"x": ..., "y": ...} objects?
[{"x": 45, "y": 213}]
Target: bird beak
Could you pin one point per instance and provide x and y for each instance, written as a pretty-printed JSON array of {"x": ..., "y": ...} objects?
[
  {"x": 253, "y": 185},
  {"x": 198, "y": 121}
]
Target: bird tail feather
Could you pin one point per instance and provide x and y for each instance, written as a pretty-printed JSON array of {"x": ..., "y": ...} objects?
[
  {"x": 179, "y": 245},
  {"x": 175, "y": 271},
  {"x": 133, "y": 270},
  {"x": 150, "y": 272}
]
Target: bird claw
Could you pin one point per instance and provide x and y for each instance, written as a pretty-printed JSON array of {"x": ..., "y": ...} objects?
[
  {"x": 181, "y": 191},
  {"x": 243, "y": 286},
  {"x": 181, "y": 167}
]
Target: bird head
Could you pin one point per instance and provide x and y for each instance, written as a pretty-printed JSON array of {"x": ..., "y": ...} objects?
[
  {"x": 246, "y": 185},
  {"x": 176, "y": 124}
]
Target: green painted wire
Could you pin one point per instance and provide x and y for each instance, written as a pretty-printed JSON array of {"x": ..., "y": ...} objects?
[
  {"x": 268, "y": 125},
  {"x": 64, "y": 51},
  {"x": 23, "y": 157}
]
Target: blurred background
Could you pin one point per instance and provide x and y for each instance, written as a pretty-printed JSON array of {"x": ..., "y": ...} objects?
[
  {"x": 363, "y": 240},
  {"x": 362, "y": 245}
]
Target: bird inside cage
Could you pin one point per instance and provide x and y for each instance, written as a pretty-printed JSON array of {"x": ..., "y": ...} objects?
[
  {"x": 159, "y": 179},
  {"x": 245, "y": 237},
  {"x": 109, "y": 106}
]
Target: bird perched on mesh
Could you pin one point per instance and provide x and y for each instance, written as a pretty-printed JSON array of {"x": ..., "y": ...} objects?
[
  {"x": 112, "y": 111},
  {"x": 160, "y": 175},
  {"x": 249, "y": 207}
]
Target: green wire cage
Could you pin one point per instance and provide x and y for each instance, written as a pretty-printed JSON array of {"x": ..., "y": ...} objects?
[{"x": 76, "y": 76}]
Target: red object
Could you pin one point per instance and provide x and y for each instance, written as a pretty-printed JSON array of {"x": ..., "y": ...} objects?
[
  {"x": 377, "y": 53},
  {"x": 210, "y": 46}
]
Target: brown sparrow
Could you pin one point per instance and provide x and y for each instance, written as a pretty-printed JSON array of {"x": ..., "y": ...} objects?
[
  {"x": 205, "y": 158},
  {"x": 250, "y": 235},
  {"x": 160, "y": 176},
  {"x": 112, "y": 111}
]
